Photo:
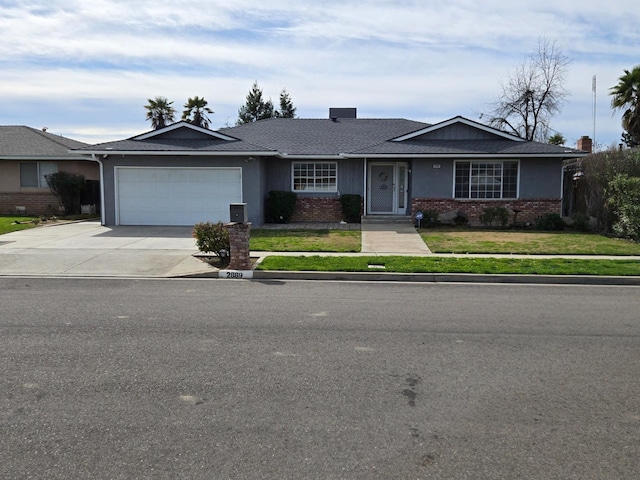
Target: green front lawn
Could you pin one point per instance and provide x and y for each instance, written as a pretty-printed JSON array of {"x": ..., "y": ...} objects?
[
  {"x": 305, "y": 240},
  {"x": 464, "y": 240},
  {"x": 8, "y": 224},
  {"x": 398, "y": 264}
]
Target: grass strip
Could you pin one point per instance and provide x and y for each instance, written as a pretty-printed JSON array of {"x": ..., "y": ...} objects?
[
  {"x": 301, "y": 240},
  {"x": 525, "y": 242},
  {"x": 398, "y": 264},
  {"x": 8, "y": 224}
]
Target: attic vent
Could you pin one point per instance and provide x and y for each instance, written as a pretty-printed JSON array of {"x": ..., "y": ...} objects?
[{"x": 335, "y": 113}]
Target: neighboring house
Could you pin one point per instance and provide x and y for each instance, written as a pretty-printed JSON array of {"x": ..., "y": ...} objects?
[
  {"x": 26, "y": 156},
  {"x": 183, "y": 174}
]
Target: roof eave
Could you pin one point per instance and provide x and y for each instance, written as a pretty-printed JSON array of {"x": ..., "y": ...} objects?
[
  {"x": 43, "y": 158},
  {"x": 290, "y": 156},
  {"x": 176, "y": 152},
  {"x": 466, "y": 155}
]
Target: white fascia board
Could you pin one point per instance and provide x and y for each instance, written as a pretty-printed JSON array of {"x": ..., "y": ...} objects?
[
  {"x": 454, "y": 120},
  {"x": 174, "y": 126},
  {"x": 35, "y": 158},
  {"x": 311, "y": 157},
  {"x": 470, "y": 155},
  {"x": 180, "y": 153}
]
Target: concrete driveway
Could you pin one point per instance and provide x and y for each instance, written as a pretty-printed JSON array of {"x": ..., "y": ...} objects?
[{"x": 89, "y": 249}]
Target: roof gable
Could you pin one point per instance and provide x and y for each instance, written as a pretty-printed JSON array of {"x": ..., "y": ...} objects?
[
  {"x": 458, "y": 128},
  {"x": 183, "y": 130}
]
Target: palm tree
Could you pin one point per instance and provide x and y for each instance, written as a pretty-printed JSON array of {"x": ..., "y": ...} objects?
[
  {"x": 626, "y": 95},
  {"x": 195, "y": 112},
  {"x": 160, "y": 112}
]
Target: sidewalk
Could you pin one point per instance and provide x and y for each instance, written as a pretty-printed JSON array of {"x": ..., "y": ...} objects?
[{"x": 88, "y": 249}]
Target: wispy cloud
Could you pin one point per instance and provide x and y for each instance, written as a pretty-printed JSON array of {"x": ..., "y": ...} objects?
[{"x": 88, "y": 67}]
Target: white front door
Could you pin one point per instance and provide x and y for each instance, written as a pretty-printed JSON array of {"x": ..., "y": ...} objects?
[{"x": 387, "y": 188}]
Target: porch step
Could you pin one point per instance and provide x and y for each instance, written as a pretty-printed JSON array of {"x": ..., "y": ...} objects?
[{"x": 397, "y": 219}]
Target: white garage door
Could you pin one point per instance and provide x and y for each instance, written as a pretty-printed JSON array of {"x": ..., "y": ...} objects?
[{"x": 176, "y": 196}]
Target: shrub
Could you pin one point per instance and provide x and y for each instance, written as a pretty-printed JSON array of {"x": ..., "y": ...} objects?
[
  {"x": 212, "y": 238},
  {"x": 351, "y": 204},
  {"x": 67, "y": 188},
  {"x": 593, "y": 186},
  {"x": 580, "y": 222},
  {"x": 429, "y": 218},
  {"x": 550, "y": 222},
  {"x": 280, "y": 206},
  {"x": 624, "y": 200},
  {"x": 500, "y": 215},
  {"x": 460, "y": 219}
]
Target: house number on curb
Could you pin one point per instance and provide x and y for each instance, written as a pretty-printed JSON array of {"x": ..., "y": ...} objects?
[{"x": 235, "y": 274}]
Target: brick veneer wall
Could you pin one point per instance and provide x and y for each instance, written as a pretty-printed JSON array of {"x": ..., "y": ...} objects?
[
  {"x": 239, "y": 235},
  {"x": 530, "y": 210},
  {"x": 317, "y": 209},
  {"x": 35, "y": 203}
]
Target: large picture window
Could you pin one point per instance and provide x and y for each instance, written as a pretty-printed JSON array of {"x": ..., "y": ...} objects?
[
  {"x": 32, "y": 174},
  {"x": 315, "y": 177},
  {"x": 481, "y": 179}
]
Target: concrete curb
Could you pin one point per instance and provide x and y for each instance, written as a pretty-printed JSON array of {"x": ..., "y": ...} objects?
[{"x": 436, "y": 278}]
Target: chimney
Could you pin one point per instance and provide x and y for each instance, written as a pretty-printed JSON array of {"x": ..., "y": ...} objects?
[
  {"x": 585, "y": 144},
  {"x": 335, "y": 113}
]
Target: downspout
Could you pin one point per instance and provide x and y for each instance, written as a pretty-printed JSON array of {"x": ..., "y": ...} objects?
[
  {"x": 102, "y": 205},
  {"x": 564, "y": 168},
  {"x": 365, "y": 189}
]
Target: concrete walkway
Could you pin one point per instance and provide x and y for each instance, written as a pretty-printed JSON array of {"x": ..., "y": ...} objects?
[{"x": 392, "y": 238}]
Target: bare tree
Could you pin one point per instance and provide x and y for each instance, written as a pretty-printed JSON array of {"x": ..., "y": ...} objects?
[{"x": 533, "y": 94}]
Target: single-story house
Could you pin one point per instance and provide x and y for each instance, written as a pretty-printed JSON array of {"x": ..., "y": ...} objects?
[
  {"x": 183, "y": 174},
  {"x": 26, "y": 156}
]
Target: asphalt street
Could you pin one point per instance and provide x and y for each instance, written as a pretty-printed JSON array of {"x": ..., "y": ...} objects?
[{"x": 212, "y": 379}]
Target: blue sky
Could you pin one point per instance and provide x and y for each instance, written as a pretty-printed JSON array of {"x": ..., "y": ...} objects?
[{"x": 86, "y": 69}]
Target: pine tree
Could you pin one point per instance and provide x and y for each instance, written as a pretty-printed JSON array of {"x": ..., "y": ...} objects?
[
  {"x": 287, "y": 110},
  {"x": 255, "y": 108}
]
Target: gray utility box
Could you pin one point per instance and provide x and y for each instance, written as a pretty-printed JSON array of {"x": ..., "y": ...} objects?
[{"x": 238, "y": 213}]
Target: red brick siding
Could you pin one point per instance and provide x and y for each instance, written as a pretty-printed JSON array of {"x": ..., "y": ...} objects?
[
  {"x": 530, "y": 210},
  {"x": 36, "y": 203},
  {"x": 239, "y": 234},
  {"x": 317, "y": 209}
]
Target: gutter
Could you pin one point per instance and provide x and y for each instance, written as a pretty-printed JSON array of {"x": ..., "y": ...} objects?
[
  {"x": 464, "y": 155},
  {"x": 178, "y": 153}
]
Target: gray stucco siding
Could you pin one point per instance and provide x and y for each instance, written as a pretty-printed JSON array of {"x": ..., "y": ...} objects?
[{"x": 251, "y": 179}]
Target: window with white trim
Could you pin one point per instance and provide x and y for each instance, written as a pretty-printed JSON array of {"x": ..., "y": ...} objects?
[
  {"x": 32, "y": 174},
  {"x": 482, "y": 179},
  {"x": 315, "y": 176}
]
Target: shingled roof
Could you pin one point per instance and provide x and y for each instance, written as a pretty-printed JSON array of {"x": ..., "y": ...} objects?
[
  {"x": 300, "y": 136},
  {"x": 462, "y": 148},
  {"x": 17, "y": 141},
  {"x": 347, "y": 137}
]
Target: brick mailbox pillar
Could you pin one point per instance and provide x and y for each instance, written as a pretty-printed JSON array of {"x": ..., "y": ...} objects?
[{"x": 239, "y": 242}]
